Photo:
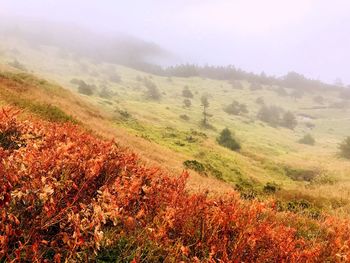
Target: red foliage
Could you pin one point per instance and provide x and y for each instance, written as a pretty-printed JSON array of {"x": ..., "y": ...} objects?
[{"x": 65, "y": 193}]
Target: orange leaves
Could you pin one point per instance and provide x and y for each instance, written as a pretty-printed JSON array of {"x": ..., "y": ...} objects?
[{"x": 65, "y": 193}]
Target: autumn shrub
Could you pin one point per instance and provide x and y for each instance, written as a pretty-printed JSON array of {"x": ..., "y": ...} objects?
[{"x": 67, "y": 196}]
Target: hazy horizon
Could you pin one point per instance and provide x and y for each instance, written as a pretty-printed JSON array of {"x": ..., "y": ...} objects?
[{"x": 309, "y": 37}]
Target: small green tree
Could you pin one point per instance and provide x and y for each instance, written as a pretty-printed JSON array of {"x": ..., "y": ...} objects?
[
  {"x": 205, "y": 105},
  {"x": 345, "y": 148},
  {"x": 187, "y": 93},
  {"x": 152, "y": 90},
  {"x": 236, "y": 108},
  {"x": 226, "y": 139},
  {"x": 85, "y": 88},
  {"x": 270, "y": 115},
  {"x": 307, "y": 139},
  {"x": 289, "y": 120}
]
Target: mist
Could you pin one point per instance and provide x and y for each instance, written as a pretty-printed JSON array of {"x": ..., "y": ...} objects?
[{"x": 309, "y": 37}]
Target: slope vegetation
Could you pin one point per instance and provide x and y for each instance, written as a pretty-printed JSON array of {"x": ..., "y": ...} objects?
[{"x": 66, "y": 195}]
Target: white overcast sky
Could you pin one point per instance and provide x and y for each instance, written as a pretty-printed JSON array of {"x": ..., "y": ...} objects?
[{"x": 276, "y": 36}]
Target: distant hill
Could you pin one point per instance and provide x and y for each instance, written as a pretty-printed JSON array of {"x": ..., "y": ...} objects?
[{"x": 116, "y": 48}]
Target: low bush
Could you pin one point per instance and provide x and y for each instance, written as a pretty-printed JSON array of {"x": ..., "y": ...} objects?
[
  {"x": 227, "y": 140},
  {"x": 236, "y": 108},
  {"x": 194, "y": 165},
  {"x": 298, "y": 174},
  {"x": 85, "y": 88},
  {"x": 307, "y": 139},
  {"x": 184, "y": 117},
  {"x": 345, "y": 148},
  {"x": 271, "y": 188},
  {"x": 187, "y": 93}
]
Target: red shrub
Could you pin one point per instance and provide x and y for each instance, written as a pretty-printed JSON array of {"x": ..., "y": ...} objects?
[{"x": 64, "y": 194}]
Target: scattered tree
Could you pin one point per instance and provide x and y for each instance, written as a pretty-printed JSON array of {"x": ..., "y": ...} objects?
[
  {"x": 307, "y": 139},
  {"x": 205, "y": 105},
  {"x": 227, "y": 140},
  {"x": 236, "y": 108},
  {"x": 152, "y": 90},
  {"x": 345, "y": 148},
  {"x": 289, "y": 120},
  {"x": 270, "y": 115},
  {"x": 187, "y": 93}
]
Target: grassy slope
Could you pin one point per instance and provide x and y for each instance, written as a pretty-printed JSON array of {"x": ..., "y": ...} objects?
[{"x": 159, "y": 135}]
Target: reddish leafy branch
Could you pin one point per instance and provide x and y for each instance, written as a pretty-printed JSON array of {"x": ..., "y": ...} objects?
[{"x": 65, "y": 195}]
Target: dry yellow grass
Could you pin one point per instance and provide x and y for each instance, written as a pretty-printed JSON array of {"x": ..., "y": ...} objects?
[{"x": 100, "y": 123}]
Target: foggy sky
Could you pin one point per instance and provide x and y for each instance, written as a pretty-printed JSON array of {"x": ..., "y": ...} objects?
[{"x": 308, "y": 36}]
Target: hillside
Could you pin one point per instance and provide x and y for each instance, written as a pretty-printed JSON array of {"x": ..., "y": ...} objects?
[
  {"x": 130, "y": 199},
  {"x": 166, "y": 132},
  {"x": 68, "y": 196}
]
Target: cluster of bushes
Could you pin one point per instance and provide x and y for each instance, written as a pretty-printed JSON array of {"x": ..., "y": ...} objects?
[
  {"x": 227, "y": 140},
  {"x": 236, "y": 108},
  {"x": 299, "y": 174},
  {"x": 203, "y": 169},
  {"x": 67, "y": 196},
  {"x": 307, "y": 139},
  {"x": 152, "y": 91},
  {"x": 276, "y": 116},
  {"x": 83, "y": 87}
]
